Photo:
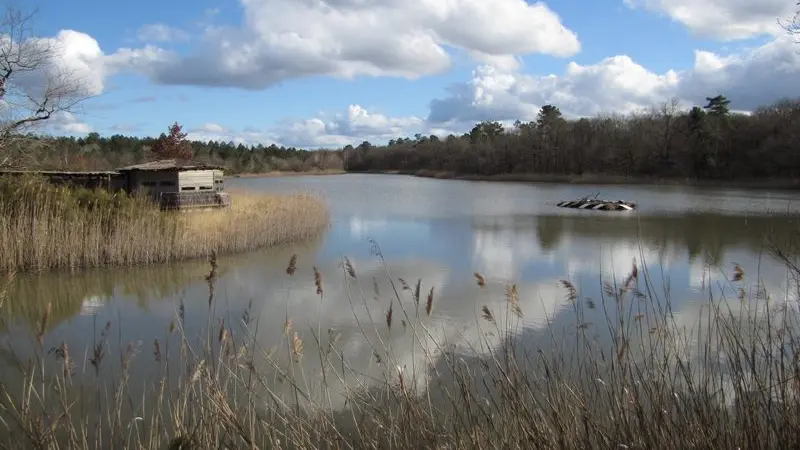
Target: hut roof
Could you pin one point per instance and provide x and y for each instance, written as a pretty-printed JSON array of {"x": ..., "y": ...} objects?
[
  {"x": 59, "y": 172},
  {"x": 170, "y": 165}
]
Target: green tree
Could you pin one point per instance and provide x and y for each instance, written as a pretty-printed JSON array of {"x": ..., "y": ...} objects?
[
  {"x": 485, "y": 131},
  {"x": 548, "y": 116},
  {"x": 549, "y": 123},
  {"x": 717, "y": 106}
]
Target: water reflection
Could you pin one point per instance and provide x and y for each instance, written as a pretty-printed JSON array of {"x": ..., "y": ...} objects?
[
  {"x": 699, "y": 234},
  {"x": 502, "y": 246},
  {"x": 491, "y": 228},
  {"x": 535, "y": 251},
  {"x": 72, "y": 294}
]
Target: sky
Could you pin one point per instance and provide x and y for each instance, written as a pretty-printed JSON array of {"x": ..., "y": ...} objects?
[{"x": 327, "y": 73}]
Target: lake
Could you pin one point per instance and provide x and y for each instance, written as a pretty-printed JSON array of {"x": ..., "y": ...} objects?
[{"x": 685, "y": 239}]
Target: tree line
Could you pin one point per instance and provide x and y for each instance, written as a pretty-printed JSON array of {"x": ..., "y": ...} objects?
[
  {"x": 708, "y": 142},
  {"x": 94, "y": 152}
]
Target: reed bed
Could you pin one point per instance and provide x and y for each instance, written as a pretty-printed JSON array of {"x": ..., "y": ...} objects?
[
  {"x": 44, "y": 227},
  {"x": 731, "y": 382}
]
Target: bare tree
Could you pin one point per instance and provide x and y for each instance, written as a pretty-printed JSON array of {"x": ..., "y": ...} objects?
[
  {"x": 34, "y": 87},
  {"x": 792, "y": 26}
]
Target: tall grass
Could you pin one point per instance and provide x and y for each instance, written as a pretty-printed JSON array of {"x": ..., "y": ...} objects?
[
  {"x": 43, "y": 226},
  {"x": 648, "y": 383}
]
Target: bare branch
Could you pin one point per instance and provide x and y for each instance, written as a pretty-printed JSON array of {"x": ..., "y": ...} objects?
[
  {"x": 34, "y": 87},
  {"x": 792, "y": 27}
]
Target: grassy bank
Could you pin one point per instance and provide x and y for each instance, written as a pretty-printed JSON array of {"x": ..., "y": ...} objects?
[
  {"x": 43, "y": 227},
  {"x": 600, "y": 179},
  {"x": 288, "y": 173},
  {"x": 729, "y": 382}
]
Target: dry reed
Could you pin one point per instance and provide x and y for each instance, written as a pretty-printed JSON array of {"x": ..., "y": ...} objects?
[
  {"x": 734, "y": 384},
  {"x": 43, "y": 227}
]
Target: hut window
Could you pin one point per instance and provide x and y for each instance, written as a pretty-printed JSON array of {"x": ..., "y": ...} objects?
[
  {"x": 188, "y": 188},
  {"x": 205, "y": 188},
  {"x": 148, "y": 183},
  {"x": 167, "y": 183}
]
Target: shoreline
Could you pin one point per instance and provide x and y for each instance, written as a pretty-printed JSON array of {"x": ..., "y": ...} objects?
[
  {"x": 596, "y": 179},
  {"x": 288, "y": 173}
]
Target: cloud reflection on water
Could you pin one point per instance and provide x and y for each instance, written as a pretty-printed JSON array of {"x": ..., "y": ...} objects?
[{"x": 443, "y": 249}]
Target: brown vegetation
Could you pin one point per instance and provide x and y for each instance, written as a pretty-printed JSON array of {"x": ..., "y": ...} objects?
[
  {"x": 42, "y": 226},
  {"x": 731, "y": 384}
]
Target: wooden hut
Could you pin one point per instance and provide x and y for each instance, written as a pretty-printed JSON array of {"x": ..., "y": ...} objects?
[
  {"x": 176, "y": 184},
  {"x": 109, "y": 180}
]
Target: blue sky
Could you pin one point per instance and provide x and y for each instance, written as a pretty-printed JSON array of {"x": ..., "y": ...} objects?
[{"x": 316, "y": 73}]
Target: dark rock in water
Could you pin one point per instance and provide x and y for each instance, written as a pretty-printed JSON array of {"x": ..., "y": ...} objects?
[{"x": 598, "y": 205}]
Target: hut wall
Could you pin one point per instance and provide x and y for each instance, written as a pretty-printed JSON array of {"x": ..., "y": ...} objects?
[
  {"x": 196, "y": 180},
  {"x": 155, "y": 183},
  {"x": 219, "y": 181}
]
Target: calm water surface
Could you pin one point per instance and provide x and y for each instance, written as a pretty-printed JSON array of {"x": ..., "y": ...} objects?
[{"x": 439, "y": 231}]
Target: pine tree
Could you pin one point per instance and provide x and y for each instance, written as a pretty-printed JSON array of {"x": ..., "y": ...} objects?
[{"x": 173, "y": 145}]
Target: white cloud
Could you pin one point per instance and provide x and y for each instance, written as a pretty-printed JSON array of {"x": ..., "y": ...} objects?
[
  {"x": 159, "y": 32},
  {"x": 352, "y": 127},
  {"x": 723, "y": 19},
  {"x": 500, "y": 91},
  {"x": 506, "y": 63},
  {"x": 753, "y": 77},
  {"x": 80, "y": 56},
  {"x": 345, "y": 43},
  {"x": 141, "y": 59},
  {"x": 210, "y": 128},
  {"x": 215, "y": 132},
  {"x": 67, "y": 123},
  {"x": 75, "y": 128},
  {"x": 616, "y": 83},
  {"x": 63, "y": 68},
  {"x": 354, "y": 38}
]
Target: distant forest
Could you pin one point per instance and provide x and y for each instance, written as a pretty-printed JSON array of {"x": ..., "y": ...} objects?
[
  {"x": 708, "y": 142},
  {"x": 94, "y": 152}
]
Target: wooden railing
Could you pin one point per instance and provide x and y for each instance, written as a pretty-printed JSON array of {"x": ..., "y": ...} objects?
[{"x": 186, "y": 200}]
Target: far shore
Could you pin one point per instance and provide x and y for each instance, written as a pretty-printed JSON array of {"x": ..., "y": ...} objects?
[
  {"x": 287, "y": 173},
  {"x": 600, "y": 179}
]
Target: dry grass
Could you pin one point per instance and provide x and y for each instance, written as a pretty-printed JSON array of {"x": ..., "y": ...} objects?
[
  {"x": 731, "y": 383},
  {"x": 43, "y": 227}
]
